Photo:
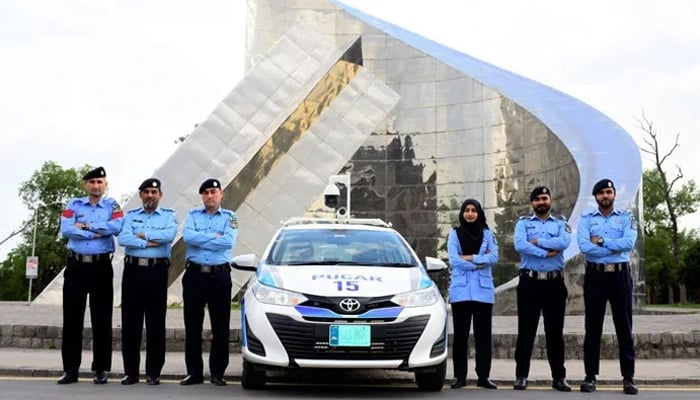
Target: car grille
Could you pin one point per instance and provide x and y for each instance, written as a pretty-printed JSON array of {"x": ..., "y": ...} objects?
[
  {"x": 308, "y": 340},
  {"x": 254, "y": 344},
  {"x": 333, "y": 303}
]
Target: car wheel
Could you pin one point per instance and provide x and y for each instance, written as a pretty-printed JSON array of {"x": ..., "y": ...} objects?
[
  {"x": 253, "y": 376},
  {"x": 431, "y": 379}
]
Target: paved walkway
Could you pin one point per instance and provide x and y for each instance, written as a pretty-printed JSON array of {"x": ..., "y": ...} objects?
[
  {"x": 47, "y": 362},
  {"x": 18, "y": 313}
]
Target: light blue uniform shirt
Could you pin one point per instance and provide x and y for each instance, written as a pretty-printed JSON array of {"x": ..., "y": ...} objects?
[
  {"x": 160, "y": 226},
  {"x": 619, "y": 233},
  {"x": 210, "y": 238},
  {"x": 469, "y": 283},
  {"x": 551, "y": 234},
  {"x": 105, "y": 218}
]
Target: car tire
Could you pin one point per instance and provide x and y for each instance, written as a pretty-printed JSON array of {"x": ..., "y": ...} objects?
[
  {"x": 253, "y": 376},
  {"x": 431, "y": 379}
]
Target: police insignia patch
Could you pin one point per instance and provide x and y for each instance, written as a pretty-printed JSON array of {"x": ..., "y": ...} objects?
[
  {"x": 117, "y": 211},
  {"x": 233, "y": 222}
]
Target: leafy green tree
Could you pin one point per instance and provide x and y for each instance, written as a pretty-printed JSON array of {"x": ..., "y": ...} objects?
[
  {"x": 691, "y": 274},
  {"x": 665, "y": 203},
  {"x": 44, "y": 193}
]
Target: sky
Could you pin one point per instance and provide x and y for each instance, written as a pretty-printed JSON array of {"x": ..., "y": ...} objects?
[{"x": 116, "y": 82}]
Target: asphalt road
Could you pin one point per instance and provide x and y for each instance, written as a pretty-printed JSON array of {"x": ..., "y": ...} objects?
[{"x": 44, "y": 388}]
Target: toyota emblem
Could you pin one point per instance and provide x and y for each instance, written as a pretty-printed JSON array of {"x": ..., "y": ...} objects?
[{"x": 349, "y": 305}]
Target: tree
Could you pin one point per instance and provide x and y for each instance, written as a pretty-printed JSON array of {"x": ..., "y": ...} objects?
[
  {"x": 691, "y": 275},
  {"x": 45, "y": 193},
  {"x": 664, "y": 204}
]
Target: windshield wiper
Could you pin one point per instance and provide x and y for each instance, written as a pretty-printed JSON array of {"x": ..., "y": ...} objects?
[
  {"x": 398, "y": 265},
  {"x": 325, "y": 262}
]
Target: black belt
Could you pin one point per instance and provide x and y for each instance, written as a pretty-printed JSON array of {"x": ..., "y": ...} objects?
[
  {"x": 541, "y": 276},
  {"x": 208, "y": 269},
  {"x": 608, "y": 267},
  {"x": 145, "y": 261},
  {"x": 89, "y": 258}
]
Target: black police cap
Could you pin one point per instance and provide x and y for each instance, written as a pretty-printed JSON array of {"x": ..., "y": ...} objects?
[
  {"x": 208, "y": 184},
  {"x": 150, "y": 183},
  {"x": 538, "y": 191},
  {"x": 98, "y": 172},
  {"x": 603, "y": 184}
]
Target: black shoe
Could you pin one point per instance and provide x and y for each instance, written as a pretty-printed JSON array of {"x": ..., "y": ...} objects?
[
  {"x": 68, "y": 377},
  {"x": 561, "y": 385},
  {"x": 588, "y": 385},
  {"x": 100, "y": 378},
  {"x": 191, "y": 380},
  {"x": 628, "y": 386},
  {"x": 130, "y": 379},
  {"x": 486, "y": 383},
  {"x": 458, "y": 384},
  {"x": 217, "y": 380},
  {"x": 520, "y": 384},
  {"x": 152, "y": 380}
]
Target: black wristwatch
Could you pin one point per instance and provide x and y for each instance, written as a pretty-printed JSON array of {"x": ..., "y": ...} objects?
[{"x": 601, "y": 241}]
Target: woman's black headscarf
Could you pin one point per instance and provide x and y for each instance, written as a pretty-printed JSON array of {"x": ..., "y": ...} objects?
[{"x": 471, "y": 234}]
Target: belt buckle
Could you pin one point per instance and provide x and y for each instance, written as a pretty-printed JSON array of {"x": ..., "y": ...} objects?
[
  {"x": 609, "y": 268},
  {"x": 142, "y": 262},
  {"x": 205, "y": 269},
  {"x": 541, "y": 276},
  {"x": 86, "y": 258}
]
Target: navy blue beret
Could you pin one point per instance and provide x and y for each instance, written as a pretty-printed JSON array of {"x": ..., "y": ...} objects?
[
  {"x": 602, "y": 184},
  {"x": 208, "y": 184},
  {"x": 538, "y": 191},
  {"x": 98, "y": 172}
]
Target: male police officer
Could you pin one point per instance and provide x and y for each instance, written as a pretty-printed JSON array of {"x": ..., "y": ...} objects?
[
  {"x": 210, "y": 233},
  {"x": 606, "y": 236},
  {"x": 89, "y": 223},
  {"x": 147, "y": 236},
  {"x": 541, "y": 240}
]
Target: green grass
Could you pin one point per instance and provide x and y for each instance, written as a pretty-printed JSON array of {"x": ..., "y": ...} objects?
[
  {"x": 234, "y": 306},
  {"x": 690, "y": 306}
]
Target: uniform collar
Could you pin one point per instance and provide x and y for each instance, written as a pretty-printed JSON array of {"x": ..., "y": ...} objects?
[
  {"x": 86, "y": 200},
  {"x": 535, "y": 217},
  {"x": 158, "y": 210},
  {"x": 203, "y": 209},
  {"x": 615, "y": 211}
]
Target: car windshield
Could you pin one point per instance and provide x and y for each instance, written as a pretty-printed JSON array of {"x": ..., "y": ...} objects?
[{"x": 340, "y": 246}]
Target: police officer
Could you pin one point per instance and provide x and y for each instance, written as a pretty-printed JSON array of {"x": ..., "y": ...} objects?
[
  {"x": 90, "y": 224},
  {"x": 210, "y": 233},
  {"x": 541, "y": 240},
  {"x": 473, "y": 251},
  {"x": 606, "y": 236},
  {"x": 147, "y": 236}
]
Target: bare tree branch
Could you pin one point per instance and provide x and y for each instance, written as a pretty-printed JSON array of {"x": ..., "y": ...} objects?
[{"x": 15, "y": 233}]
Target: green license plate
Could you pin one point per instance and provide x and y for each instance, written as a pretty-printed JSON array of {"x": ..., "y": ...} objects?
[{"x": 349, "y": 335}]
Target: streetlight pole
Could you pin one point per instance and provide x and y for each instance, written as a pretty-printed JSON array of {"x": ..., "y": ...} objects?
[
  {"x": 36, "y": 222},
  {"x": 34, "y": 259}
]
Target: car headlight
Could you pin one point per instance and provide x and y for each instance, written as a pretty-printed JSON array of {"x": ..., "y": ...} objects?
[
  {"x": 271, "y": 295},
  {"x": 417, "y": 298}
]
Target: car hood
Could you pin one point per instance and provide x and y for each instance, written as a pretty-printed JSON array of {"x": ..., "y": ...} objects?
[{"x": 334, "y": 280}]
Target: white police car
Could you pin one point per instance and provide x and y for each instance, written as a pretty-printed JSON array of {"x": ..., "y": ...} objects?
[{"x": 342, "y": 294}]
